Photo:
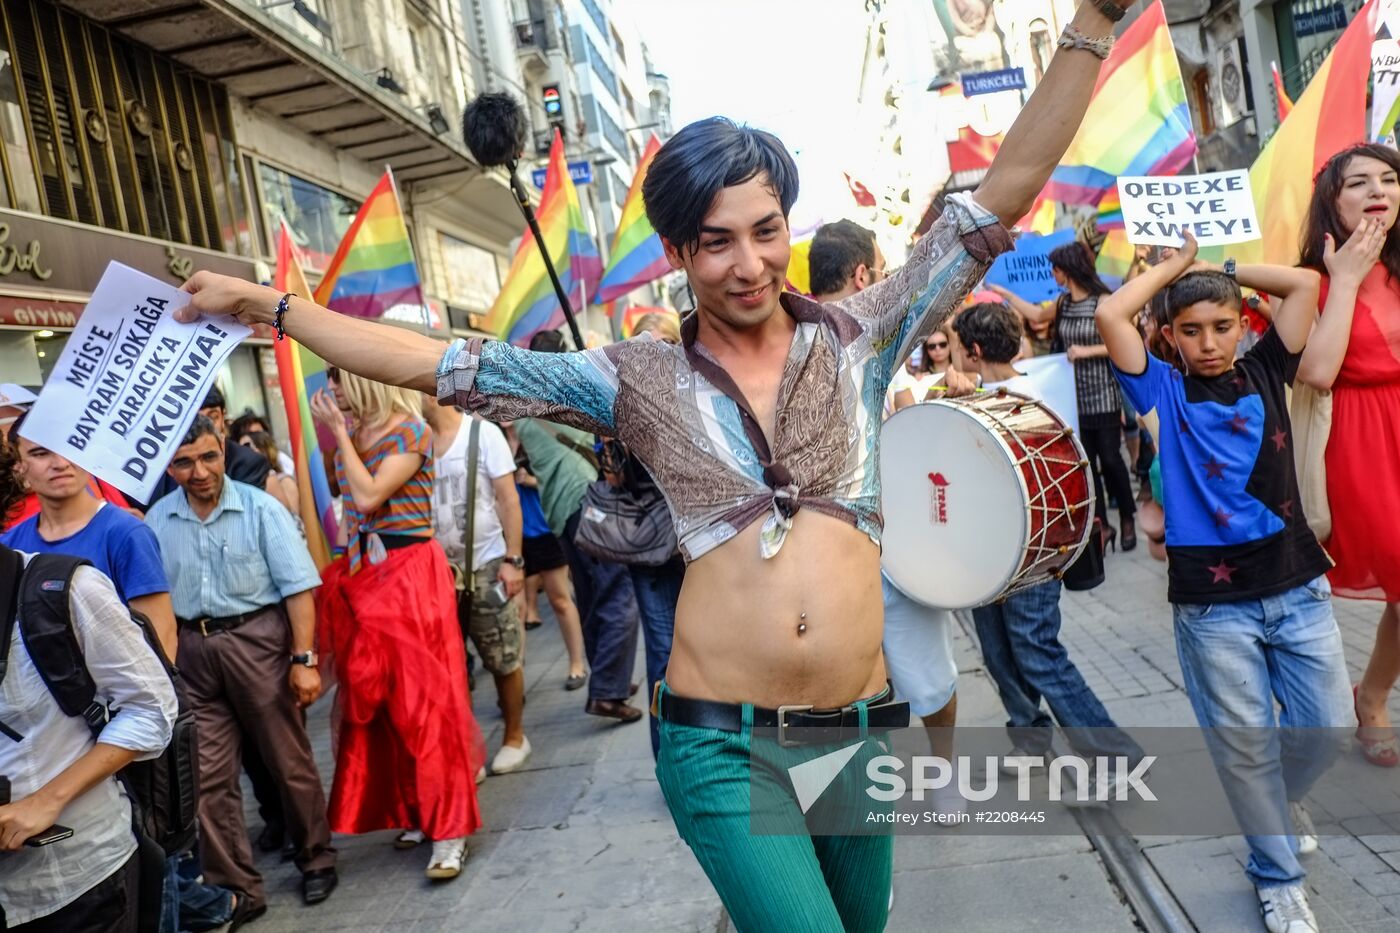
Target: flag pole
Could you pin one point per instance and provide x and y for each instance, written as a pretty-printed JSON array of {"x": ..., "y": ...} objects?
[
  {"x": 522, "y": 197},
  {"x": 394, "y": 186}
]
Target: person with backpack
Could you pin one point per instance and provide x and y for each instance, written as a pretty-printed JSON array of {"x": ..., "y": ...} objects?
[
  {"x": 242, "y": 582},
  {"x": 70, "y": 859}
]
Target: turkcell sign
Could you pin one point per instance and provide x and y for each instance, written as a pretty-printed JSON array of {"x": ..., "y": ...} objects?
[
  {"x": 991, "y": 82},
  {"x": 580, "y": 172},
  {"x": 1330, "y": 18}
]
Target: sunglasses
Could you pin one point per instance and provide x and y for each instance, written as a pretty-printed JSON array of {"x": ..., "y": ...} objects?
[{"x": 936, "y": 346}]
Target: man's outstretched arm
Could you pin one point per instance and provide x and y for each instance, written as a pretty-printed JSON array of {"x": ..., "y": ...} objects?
[
  {"x": 1046, "y": 126},
  {"x": 380, "y": 352}
]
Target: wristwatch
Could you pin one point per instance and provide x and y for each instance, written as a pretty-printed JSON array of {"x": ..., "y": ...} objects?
[
  {"x": 515, "y": 560},
  {"x": 1229, "y": 268},
  {"x": 305, "y": 660},
  {"x": 1110, "y": 9}
]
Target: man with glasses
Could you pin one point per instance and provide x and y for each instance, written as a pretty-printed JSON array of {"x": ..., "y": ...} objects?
[{"x": 241, "y": 582}]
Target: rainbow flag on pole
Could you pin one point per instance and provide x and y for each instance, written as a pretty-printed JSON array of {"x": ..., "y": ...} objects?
[
  {"x": 1138, "y": 122},
  {"x": 1285, "y": 103},
  {"x": 300, "y": 373},
  {"x": 637, "y": 257},
  {"x": 526, "y": 303},
  {"x": 1329, "y": 116},
  {"x": 373, "y": 271}
]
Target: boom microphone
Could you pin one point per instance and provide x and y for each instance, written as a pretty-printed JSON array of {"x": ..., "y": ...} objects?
[{"x": 494, "y": 129}]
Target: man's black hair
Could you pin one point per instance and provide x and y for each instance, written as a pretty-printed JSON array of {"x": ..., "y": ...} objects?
[
  {"x": 547, "y": 341},
  {"x": 1214, "y": 287},
  {"x": 995, "y": 328},
  {"x": 215, "y": 399},
  {"x": 700, "y": 161},
  {"x": 200, "y": 426},
  {"x": 837, "y": 250}
]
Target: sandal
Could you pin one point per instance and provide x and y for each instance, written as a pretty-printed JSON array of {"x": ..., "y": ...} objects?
[
  {"x": 409, "y": 839},
  {"x": 1383, "y": 753}
]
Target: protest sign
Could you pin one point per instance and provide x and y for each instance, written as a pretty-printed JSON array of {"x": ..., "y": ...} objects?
[
  {"x": 1216, "y": 208},
  {"x": 130, "y": 381},
  {"x": 1385, "y": 89},
  {"x": 1026, "y": 270},
  {"x": 1053, "y": 376}
]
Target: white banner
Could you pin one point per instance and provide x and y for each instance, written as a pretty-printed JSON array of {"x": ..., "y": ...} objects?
[
  {"x": 1385, "y": 81},
  {"x": 1053, "y": 376},
  {"x": 1217, "y": 208},
  {"x": 130, "y": 381}
]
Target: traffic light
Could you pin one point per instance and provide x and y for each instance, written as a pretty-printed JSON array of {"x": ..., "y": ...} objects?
[{"x": 553, "y": 104}]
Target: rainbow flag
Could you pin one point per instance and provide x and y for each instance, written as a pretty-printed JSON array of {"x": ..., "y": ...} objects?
[
  {"x": 526, "y": 303},
  {"x": 1138, "y": 122},
  {"x": 632, "y": 315},
  {"x": 1329, "y": 116},
  {"x": 373, "y": 271},
  {"x": 1285, "y": 103},
  {"x": 637, "y": 257},
  {"x": 1115, "y": 256},
  {"x": 300, "y": 373}
]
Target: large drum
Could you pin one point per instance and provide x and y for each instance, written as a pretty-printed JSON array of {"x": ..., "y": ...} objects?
[{"x": 983, "y": 497}]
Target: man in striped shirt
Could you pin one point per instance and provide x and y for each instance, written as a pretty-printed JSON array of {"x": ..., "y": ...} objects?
[{"x": 241, "y": 581}]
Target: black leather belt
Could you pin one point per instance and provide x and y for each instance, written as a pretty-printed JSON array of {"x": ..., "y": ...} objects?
[
  {"x": 208, "y": 625},
  {"x": 796, "y": 724}
]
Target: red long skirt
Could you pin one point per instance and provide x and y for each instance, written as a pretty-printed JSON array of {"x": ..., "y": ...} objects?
[{"x": 407, "y": 746}]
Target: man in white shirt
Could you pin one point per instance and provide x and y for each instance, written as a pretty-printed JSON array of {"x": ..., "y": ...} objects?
[
  {"x": 59, "y": 774},
  {"x": 491, "y": 577}
]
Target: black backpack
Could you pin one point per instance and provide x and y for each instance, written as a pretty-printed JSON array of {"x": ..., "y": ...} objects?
[{"x": 163, "y": 790}]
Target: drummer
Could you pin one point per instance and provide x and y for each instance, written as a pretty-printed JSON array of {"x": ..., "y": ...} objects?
[
  {"x": 918, "y": 640},
  {"x": 1020, "y": 634}
]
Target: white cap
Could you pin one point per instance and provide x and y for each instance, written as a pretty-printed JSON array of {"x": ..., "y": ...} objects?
[{"x": 15, "y": 395}]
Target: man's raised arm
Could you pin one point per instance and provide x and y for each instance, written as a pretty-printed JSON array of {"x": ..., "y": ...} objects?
[
  {"x": 380, "y": 352},
  {"x": 1046, "y": 125}
]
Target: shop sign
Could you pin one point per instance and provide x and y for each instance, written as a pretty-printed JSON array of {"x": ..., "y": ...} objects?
[
  {"x": 1312, "y": 22},
  {"x": 52, "y": 254}
]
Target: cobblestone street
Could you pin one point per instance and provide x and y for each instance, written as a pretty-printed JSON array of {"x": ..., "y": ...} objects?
[{"x": 581, "y": 840}]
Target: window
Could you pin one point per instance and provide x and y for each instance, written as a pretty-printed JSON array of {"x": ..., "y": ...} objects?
[
  {"x": 617, "y": 46},
  {"x": 318, "y": 216},
  {"x": 103, "y": 131},
  {"x": 596, "y": 14},
  {"x": 1042, "y": 49},
  {"x": 1205, "y": 105},
  {"x": 600, "y": 66},
  {"x": 612, "y": 132}
]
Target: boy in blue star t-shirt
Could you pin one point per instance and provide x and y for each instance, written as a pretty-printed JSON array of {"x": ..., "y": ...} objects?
[{"x": 1246, "y": 577}]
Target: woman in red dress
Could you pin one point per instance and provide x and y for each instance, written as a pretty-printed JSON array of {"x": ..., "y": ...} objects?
[
  {"x": 1350, "y": 236},
  {"x": 407, "y": 749}
]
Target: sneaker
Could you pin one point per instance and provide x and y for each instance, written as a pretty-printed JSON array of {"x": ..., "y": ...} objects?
[
  {"x": 448, "y": 856},
  {"x": 1303, "y": 828},
  {"x": 1285, "y": 909},
  {"x": 510, "y": 758},
  {"x": 409, "y": 839},
  {"x": 481, "y": 774},
  {"x": 1037, "y": 761}
]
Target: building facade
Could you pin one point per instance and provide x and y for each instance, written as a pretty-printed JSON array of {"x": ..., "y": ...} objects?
[{"x": 173, "y": 135}]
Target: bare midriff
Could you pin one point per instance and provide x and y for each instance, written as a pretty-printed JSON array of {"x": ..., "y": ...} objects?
[{"x": 803, "y": 627}]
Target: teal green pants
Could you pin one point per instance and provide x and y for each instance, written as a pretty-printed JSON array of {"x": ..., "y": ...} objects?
[{"x": 733, "y": 802}]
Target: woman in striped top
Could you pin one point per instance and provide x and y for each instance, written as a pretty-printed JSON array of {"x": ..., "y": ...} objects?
[{"x": 407, "y": 746}]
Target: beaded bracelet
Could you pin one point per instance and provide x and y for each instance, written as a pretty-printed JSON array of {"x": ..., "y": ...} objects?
[
  {"x": 1073, "y": 38},
  {"x": 279, "y": 314}
]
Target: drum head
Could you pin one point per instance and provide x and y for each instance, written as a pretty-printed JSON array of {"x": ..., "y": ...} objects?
[{"x": 954, "y": 506}]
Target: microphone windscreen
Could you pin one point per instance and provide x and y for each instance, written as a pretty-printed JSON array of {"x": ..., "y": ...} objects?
[{"x": 494, "y": 129}]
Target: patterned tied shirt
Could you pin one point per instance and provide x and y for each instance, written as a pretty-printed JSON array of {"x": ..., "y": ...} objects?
[{"x": 677, "y": 409}]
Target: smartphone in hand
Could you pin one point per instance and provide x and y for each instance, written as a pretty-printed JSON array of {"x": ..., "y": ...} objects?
[{"x": 54, "y": 833}]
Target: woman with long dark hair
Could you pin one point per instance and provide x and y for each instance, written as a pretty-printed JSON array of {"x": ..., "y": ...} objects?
[
  {"x": 1350, "y": 237},
  {"x": 1100, "y": 405}
]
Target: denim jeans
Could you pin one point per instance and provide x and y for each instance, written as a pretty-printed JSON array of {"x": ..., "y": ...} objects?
[
  {"x": 1237, "y": 659},
  {"x": 1020, "y": 639},
  {"x": 607, "y": 610},
  {"x": 657, "y": 589},
  {"x": 188, "y": 904}
]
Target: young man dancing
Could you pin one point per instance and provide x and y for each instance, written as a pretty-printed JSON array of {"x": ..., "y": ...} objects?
[
  {"x": 761, "y": 430},
  {"x": 1246, "y": 578}
]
